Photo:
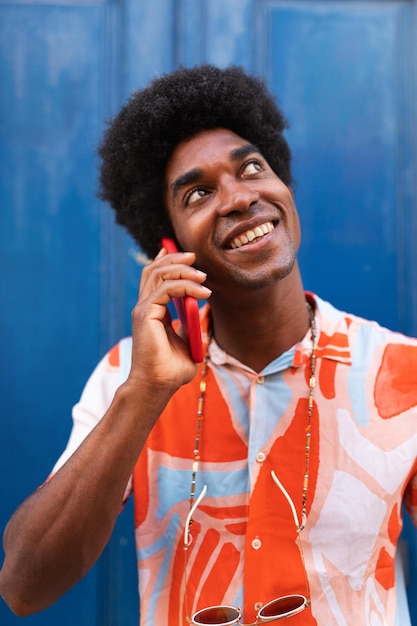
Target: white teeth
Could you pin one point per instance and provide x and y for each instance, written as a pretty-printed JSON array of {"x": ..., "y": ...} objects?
[{"x": 250, "y": 235}]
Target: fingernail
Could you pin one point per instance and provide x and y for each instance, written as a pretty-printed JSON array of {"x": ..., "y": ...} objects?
[{"x": 160, "y": 253}]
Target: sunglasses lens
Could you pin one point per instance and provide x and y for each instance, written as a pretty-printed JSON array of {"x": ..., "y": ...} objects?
[
  {"x": 220, "y": 615},
  {"x": 283, "y": 607}
]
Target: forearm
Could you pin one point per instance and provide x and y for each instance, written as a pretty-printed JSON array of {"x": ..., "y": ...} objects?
[{"x": 60, "y": 531}]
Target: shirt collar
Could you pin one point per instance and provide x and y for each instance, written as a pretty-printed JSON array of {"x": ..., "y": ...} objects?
[{"x": 332, "y": 331}]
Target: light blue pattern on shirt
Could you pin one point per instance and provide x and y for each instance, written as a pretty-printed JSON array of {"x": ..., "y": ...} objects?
[
  {"x": 174, "y": 485},
  {"x": 363, "y": 351}
]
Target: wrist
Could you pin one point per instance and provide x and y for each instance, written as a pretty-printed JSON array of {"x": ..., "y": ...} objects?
[{"x": 141, "y": 391}]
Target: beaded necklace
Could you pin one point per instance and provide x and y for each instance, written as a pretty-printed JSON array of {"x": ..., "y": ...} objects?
[{"x": 311, "y": 386}]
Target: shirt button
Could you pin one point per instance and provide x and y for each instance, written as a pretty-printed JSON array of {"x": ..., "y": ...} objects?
[
  {"x": 257, "y": 606},
  {"x": 260, "y": 379},
  {"x": 260, "y": 457},
  {"x": 256, "y": 543}
]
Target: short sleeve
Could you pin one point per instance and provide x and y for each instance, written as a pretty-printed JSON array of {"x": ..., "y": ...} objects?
[{"x": 97, "y": 396}]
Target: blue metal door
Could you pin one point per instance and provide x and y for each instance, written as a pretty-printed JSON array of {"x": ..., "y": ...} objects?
[{"x": 344, "y": 72}]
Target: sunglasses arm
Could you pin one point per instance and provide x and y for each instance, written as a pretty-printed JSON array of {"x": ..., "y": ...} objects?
[
  {"x": 276, "y": 480},
  {"x": 190, "y": 515}
]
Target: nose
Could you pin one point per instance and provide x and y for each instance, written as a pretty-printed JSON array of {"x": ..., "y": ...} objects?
[{"x": 236, "y": 196}]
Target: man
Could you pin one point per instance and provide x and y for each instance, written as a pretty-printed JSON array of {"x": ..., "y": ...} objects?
[{"x": 268, "y": 481}]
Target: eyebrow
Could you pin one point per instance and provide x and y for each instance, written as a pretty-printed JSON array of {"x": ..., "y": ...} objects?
[
  {"x": 188, "y": 178},
  {"x": 194, "y": 175},
  {"x": 243, "y": 151}
]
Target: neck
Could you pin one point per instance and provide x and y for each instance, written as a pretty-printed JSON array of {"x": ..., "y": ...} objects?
[{"x": 258, "y": 328}]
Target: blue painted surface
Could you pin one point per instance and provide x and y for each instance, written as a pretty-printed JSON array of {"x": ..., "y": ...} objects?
[
  {"x": 52, "y": 103},
  {"x": 345, "y": 75}
]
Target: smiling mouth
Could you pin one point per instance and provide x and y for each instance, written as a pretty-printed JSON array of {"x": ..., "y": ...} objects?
[{"x": 252, "y": 235}]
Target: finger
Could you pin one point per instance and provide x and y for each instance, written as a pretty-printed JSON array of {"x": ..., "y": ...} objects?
[
  {"x": 161, "y": 273},
  {"x": 182, "y": 288},
  {"x": 179, "y": 272},
  {"x": 164, "y": 252},
  {"x": 170, "y": 289},
  {"x": 163, "y": 259}
]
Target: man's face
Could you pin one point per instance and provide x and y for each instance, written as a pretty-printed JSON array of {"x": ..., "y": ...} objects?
[{"x": 228, "y": 206}]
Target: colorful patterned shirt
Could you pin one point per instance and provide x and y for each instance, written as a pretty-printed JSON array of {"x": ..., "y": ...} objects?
[{"x": 244, "y": 550}]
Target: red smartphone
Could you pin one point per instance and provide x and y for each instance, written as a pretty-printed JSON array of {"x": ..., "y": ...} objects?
[{"x": 187, "y": 309}]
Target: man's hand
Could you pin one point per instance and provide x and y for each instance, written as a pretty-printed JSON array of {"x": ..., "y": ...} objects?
[{"x": 159, "y": 355}]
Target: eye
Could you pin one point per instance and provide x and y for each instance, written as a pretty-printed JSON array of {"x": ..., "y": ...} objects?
[
  {"x": 194, "y": 195},
  {"x": 252, "y": 167}
]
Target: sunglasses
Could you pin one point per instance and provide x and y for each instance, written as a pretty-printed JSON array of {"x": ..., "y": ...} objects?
[{"x": 280, "y": 608}]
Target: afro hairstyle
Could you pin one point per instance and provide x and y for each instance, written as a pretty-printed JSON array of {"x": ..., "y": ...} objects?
[{"x": 140, "y": 140}]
